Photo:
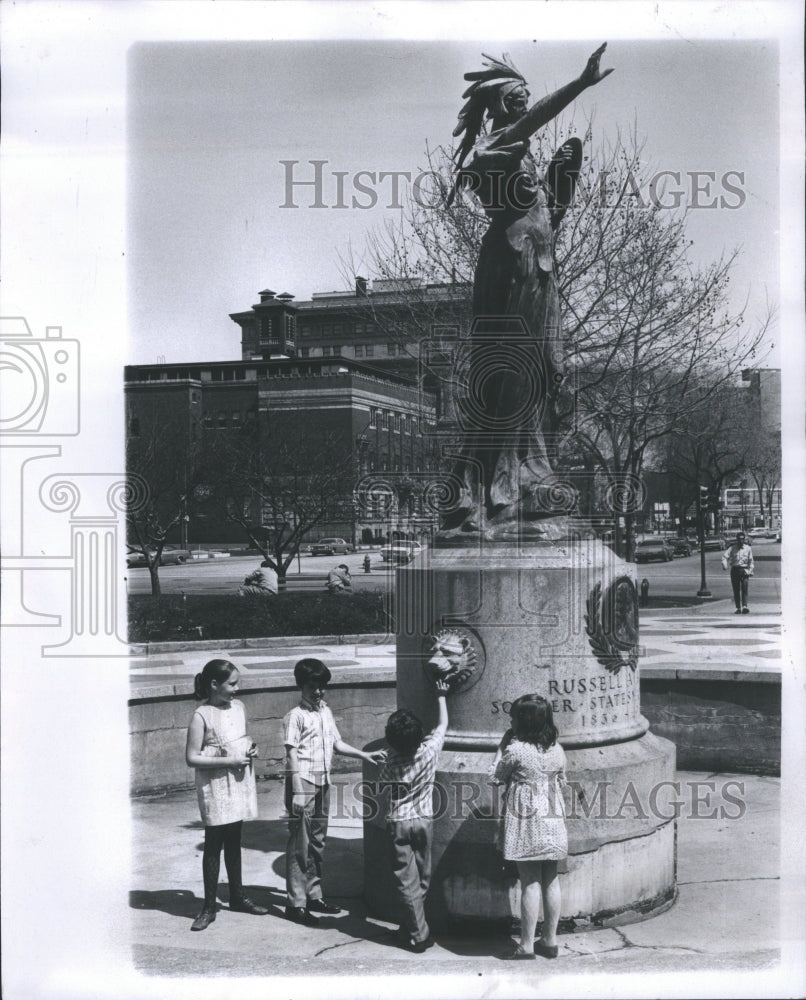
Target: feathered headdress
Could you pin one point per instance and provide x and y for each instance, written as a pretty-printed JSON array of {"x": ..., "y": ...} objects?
[{"x": 488, "y": 88}]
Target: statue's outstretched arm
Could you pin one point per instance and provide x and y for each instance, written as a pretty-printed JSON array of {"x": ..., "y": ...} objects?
[{"x": 549, "y": 107}]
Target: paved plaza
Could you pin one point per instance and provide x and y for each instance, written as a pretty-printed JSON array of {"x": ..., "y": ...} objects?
[
  {"x": 726, "y": 916},
  {"x": 705, "y": 638}
]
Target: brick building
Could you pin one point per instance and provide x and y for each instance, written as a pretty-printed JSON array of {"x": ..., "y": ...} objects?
[
  {"x": 379, "y": 323},
  {"x": 371, "y": 423}
]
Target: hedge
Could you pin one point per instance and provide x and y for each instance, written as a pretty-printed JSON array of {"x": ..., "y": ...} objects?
[{"x": 172, "y": 617}]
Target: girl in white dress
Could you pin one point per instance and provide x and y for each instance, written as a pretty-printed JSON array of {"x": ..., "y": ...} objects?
[
  {"x": 222, "y": 754},
  {"x": 531, "y": 763}
]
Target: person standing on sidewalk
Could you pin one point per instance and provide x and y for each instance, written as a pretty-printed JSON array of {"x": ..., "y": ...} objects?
[
  {"x": 311, "y": 736},
  {"x": 222, "y": 754},
  {"x": 408, "y": 772},
  {"x": 739, "y": 557}
]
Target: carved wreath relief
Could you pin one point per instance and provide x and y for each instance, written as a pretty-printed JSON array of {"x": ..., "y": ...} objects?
[
  {"x": 612, "y": 624},
  {"x": 456, "y": 655}
]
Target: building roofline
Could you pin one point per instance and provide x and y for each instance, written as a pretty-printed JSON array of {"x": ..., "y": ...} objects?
[{"x": 348, "y": 363}]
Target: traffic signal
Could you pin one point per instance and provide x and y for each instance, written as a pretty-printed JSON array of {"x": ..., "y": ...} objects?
[{"x": 710, "y": 499}]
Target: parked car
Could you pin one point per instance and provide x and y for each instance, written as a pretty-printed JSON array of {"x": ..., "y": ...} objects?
[
  {"x": 331, "y": 547},
  {"x": 762, "y": 533},
  {"x": 653, "y": 548},
  {"x": 681, "y": 546},
  {"x": 713, "y": 543},
  {"x": 401, "y": 552},
  {"x": 170, "y": 556}
]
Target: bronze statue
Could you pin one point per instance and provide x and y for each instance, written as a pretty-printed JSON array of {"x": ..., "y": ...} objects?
[{"x": 504, "y": 475}]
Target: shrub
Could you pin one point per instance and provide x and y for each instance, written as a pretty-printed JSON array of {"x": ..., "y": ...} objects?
[{"x": 172, "y": 617}]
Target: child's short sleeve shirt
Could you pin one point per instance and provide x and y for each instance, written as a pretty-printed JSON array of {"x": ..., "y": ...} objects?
[
  {"x": 312, "y": 732},
  {"x": 411, "y": 780}
]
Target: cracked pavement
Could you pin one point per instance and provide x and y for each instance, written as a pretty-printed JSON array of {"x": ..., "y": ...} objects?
[{"x": 725, "y": 917}]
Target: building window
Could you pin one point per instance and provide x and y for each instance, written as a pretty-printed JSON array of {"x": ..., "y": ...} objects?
[
  {"x": 265, "y": 329},
  {"x": 338, "y": 329},
  {"x": 207, "y": 420},
  {"x": 194, "y": 397},
  {"x": 240, "y": 373},
  {"x": 327, "y": 330},
  {"x": 373, "y": 417},
  {"x": 359, "y": 351},
  {"x": 222, "y": 418},
  {"x": 325, "y": 352},
  {"x": 337, "y": 348},
  {"x": 397, "y": 421},
  {"x": 384, "y": 422},
  {"x": 369, "y": 350},
  {"x": 236, "y": 418},
  {"x": 305, "y": 351},
  {"x": 391, "y": 350},
  {"x": 402, "y": 423}
]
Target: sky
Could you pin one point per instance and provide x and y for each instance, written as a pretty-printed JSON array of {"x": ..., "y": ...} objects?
[{"x": 209, "y": 216}]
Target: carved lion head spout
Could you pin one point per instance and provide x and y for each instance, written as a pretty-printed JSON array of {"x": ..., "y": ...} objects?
[{"x": 452, "y": 657}]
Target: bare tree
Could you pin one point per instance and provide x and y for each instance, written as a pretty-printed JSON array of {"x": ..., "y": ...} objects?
[
  {"x": 164, "y": 461},
  {"x": 708, "y": 448},
  {"x": 763, "y": 464},
  {"x": 278, "y": 487},
  {"x": 650, "y": 333}
]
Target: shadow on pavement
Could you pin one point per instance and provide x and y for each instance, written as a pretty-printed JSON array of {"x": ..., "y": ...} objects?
[
  {"x": 184, "y": 903},
  {"x": 175, "y": 902},
  {"x": 265, "y": 835}
]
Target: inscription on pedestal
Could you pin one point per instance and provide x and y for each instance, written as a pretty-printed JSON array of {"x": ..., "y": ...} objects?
[{"x": 594, "y": 701}]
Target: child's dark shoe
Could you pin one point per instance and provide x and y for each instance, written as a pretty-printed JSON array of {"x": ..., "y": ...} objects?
[
  {"x": 320, "y": 906},
  {"x": 546, "y": 950},
  {"x": 243, "y": 904},
  {"x": 418, "y": 947},
  {"x": 299, "y": 915},
  {"x": 517, "y": 955},
  {"x": 204, "y": 919}
]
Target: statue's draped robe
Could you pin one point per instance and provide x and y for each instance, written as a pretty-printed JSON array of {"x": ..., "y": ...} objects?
[{"x": 515, "y": 377}]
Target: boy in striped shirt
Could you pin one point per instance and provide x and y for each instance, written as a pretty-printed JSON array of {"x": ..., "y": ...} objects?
[{"x": 409, "y": 771}]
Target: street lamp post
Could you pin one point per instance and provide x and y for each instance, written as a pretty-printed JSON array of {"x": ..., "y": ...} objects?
[
  {"x": 702, "y": 493},
  {"x": 183, "y": 522}
]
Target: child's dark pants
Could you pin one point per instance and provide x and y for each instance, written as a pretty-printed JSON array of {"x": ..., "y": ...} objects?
[{"x": 410, "y": 851}]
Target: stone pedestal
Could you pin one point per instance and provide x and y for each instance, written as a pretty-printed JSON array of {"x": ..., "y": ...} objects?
[{"x": 559, "y": 619}]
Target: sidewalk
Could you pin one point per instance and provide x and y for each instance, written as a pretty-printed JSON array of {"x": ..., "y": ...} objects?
[
  {"x": 707, "y": 639},
  {"x": 725, "y": 918}
]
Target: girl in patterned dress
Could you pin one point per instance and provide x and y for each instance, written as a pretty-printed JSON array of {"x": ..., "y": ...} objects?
[
  {"x": 531, "y": 763},
  {"x": 222, "y": 754}
]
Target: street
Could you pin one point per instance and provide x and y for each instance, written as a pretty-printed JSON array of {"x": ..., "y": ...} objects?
[{"x": 679, "y": 578}]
